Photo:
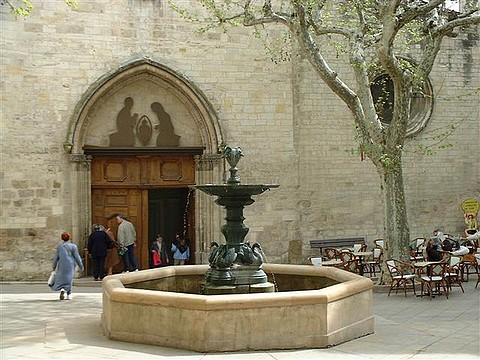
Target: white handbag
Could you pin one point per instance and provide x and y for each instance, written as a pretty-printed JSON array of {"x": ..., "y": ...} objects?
[{"x": 51, "y": 278}]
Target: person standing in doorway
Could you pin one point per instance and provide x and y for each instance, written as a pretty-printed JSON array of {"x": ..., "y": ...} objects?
[
  {"x": 180, "y": 251},
  {"x": 126, "y": 237},
  {"x": 112, "y": 258},
  {"x": 98, "y": 242},
  {"x": 160, "y": 249}
]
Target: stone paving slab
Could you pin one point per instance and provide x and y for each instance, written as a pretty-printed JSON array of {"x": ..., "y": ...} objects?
[{"x": 35, "y": 324}]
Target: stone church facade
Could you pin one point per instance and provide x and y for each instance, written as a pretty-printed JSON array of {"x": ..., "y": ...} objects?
[{"x": 89, "y": 97}]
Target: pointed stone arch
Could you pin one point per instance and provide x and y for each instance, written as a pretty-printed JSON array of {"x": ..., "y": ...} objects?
[
  {"x": 204, "y": 116},
  {"x": 209, "y": 167}
]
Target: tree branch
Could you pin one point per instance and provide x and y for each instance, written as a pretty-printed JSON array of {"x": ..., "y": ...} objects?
[
  {"x": 460, "y": 21},
  {"x": 414, "y": 12},
  {"x": 386, "y": 42},
  {"x": 269, "y": 15}
]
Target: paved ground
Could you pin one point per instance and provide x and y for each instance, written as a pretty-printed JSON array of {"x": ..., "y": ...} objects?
[{"x": 36, "y": 325}]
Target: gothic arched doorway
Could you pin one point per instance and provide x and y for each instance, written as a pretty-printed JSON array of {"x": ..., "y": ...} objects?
[{"x": 139, "y": 138}]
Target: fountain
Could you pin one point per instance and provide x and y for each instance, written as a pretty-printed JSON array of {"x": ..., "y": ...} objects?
[
  {"x": 235, "y": 267},
  {"x": 232, "y": 304}
]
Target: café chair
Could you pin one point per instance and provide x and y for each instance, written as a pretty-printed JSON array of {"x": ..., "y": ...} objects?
[
  {"x": 376, "y": 262},
  {"x": 315, "y": 261},
  {"x": 417, "y": 253},
  {"x": 467, "y": 264},
  {"x": 359, "y": 247},
  {"x": 352, "y": 266},
  {"x": 379, "y": 242},
  {"x": 402, "y": 274},
  {"x": 346, "y": 255},
  {"x": 330, "y": 253},
  {"x": 453, "y": 273},
  {"x": 432, "y": 276}
]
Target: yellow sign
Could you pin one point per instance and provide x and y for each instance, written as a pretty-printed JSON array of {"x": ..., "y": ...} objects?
[{"x": 470, "y": 206}]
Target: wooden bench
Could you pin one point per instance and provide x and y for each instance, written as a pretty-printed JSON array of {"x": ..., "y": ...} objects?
[{"x": 337, "y": 243}]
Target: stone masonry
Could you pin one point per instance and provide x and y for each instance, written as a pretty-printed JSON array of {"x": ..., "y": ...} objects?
[{"x": 293, "y": 129}]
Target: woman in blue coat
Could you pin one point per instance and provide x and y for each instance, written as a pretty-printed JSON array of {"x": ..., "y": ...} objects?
[{"x": 64, "y": 261}]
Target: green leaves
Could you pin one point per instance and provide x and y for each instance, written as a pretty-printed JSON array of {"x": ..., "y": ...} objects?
[
  {"x": 21, "y": 10},
  {"x": 26, "y": 7}
]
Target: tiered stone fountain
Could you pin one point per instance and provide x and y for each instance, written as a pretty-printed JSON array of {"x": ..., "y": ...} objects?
[
  {"x": 235, "y": 267},
  {"x": 231, "y": 305}
]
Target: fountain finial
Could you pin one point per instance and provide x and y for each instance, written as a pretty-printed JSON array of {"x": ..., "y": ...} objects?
[{"x": 233, "y": 155}]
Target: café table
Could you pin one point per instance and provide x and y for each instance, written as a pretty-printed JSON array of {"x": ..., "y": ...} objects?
[
  {"x": 332, "y": 262},
  {"x": 421, "y": 264},
  {"x": 361, "y": 255}
]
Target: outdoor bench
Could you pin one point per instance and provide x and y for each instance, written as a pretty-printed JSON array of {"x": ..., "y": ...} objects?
[{"x": 337, "y": 243}]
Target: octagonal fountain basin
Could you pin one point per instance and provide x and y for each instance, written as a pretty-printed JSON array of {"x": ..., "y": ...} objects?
[{"x": 314, "y": 307}]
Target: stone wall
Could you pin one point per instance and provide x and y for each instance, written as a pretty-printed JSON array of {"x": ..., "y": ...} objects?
[{"x": 294, "y": 131}]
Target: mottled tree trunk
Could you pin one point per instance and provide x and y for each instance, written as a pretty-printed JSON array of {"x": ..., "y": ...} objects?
[{"x": 396, "y": 230}]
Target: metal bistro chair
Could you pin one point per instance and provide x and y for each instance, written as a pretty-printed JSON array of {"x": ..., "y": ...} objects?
[
  {"x": 453, "y": 274},
  {"x": 402, "y": 273},
  {"x": 330, "y": 253},
  {"x": 417, "y": 254},
  {"x": 315, "y": 261},
  {"x": 376, "y": 262},
  {"x": 468, "y": 263},
  {"x": 350, "y": 262},
  {"x": 359, "y": 247},
  {"x": 379, "y": 242},
  {"x": 352, "y": 266},
  {"x": 433, "y": 277}
]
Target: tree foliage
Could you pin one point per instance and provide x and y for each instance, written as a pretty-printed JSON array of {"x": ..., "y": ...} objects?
[
  {"x": 25, "y": 7},
  {"x": 396, "y": 39}
]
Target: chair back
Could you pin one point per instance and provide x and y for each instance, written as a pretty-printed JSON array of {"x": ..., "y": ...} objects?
[
  {"x": 437, "y": 269},
  {"x": 357, "y": 247},
  {"x": 351, "y": 265},
  {"x": 346, "y": 256},
  {"x": 377, "y": 253},
  {"x": 330, "y": 253},
  {"x": 454, "y": 260},
  {"x": 392, "y": 268},
  {"x": 379, "y": 242},
  {"x": 419, "y": 242}
]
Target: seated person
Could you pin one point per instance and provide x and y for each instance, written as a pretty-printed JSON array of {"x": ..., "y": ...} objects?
[
  {"x": 434, "y": 246},
  {"x": 448, "y": 244}
]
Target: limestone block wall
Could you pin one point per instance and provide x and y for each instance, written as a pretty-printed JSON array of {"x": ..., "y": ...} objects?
[
  {"x": 51, "y": 58},
  {"x": 293, "y": 129},
  {"x": 339, "y": 195}
]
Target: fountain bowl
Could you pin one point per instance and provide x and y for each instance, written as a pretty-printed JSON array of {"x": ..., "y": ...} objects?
[
  {"x": 235, "y": 190},
  {"x": 316, "y": 307}
]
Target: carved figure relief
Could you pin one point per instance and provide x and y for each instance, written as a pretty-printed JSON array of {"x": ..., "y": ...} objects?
[
  {"x": 166, "y": 136},
  {"x": 128, "y": 129},
  {"x": 126, "y": 122}
]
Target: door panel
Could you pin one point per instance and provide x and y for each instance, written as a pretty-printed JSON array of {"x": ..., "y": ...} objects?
[
  {"x": 126, "y": 201},
  {"x": 121, "y": 184}
]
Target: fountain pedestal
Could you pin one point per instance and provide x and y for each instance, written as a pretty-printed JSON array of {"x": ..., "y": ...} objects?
[{"x": 235, "y": 267}]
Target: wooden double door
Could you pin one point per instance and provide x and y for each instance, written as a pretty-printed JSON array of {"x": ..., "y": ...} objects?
[{"x": 152, "y": 191}]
